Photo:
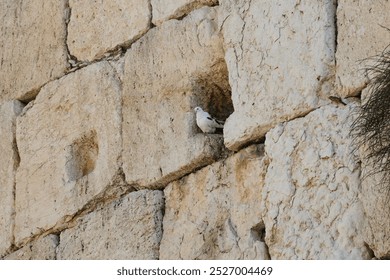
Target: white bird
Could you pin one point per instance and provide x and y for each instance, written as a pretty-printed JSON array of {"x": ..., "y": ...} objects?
[{"x": 205, "y": 122}]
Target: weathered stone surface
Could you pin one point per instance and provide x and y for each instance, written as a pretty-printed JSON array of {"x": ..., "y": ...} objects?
[
  {"x": 167, "y": 9},
  {"x": 69, "y": 142},
  {"x": 130, "y": 228},
  {"x": 97, "y": 27},
  {"x": 215, "y": 212},
  {"x": 280, "y": 58},
  {"x": 375, "y": 197},
  {"x": 168, "y": 72},
  {"x": 8, "y": 164},
  {"x": 311, "y": 202},
  {"x": 32, "y": 46},
  {"x": 44, "y": 248},
  {"x": 362, "y": 27}
]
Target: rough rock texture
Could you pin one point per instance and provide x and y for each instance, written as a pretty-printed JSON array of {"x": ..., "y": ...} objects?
[
  {"x": 311, "y": 205},
  {"x": 375, "y": 197},
  {"x": 69, "y": 143},
  {"x": 96, "y": 27},
  {"x": 362, "y": 28},
  {"x": 8, "y": 164},
  {"x": 32, "y": 46},
  {"x": 43, "y": 248},
  {"x": 280, "y": 58},
  {"x": 215, "y": 212},
  {"x": 169, "y": 71},
  {"x": 129, "y": 228},
  {"x": 168, "y": 9}
]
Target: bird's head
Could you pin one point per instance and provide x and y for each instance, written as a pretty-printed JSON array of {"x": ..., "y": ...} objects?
[{"x": 198, "y": 109}]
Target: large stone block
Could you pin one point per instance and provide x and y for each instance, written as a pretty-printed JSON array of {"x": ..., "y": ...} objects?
[
  {"x": 167, "y": 9},
  {"x": 8, "y": 164},
  {"x": 215, "y": 212},
  {"x": 169, "y": 71},
  {"x": 44, "y": 248},
  {"x": 362, "y": 27},
  {"x": 280, "y": 58},
  {"x": 69, "y": 143},
  {"x": 98, "y": 27},
  {"x": 129, "y": 228},
  {"x": 32, "y": 46},
  {"x": 311, "y": 202}
]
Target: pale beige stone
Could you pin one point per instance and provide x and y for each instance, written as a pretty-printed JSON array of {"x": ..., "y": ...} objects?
[
  {"x": 69, "y": 143},
  {"x": 129, "y": 228},
  {"x": 280, "y": 58},
  {"x": 167, "y": 9},
  {"x": 362, "y": 27},
  {"x": 311, "y": 207},
  {"x": 8, "y": 164},
  {"x": 32, "y": 46},
  {"x": 96, "y": 27},
  {"x": 44, "y": 248},
  {"x": 168, "y": 72},
  {"x": 214, "y": 213},
  {"x": 375, "y": 197}
]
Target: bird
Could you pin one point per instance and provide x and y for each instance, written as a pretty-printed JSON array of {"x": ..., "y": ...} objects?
[{"x": 205, "y": 122}]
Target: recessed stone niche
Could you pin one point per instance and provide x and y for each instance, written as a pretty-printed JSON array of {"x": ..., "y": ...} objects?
[{"x": 81, "y": 156}]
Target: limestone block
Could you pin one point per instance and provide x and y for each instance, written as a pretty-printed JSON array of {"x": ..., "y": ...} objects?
[
  {"x": 167, "y": 9},
  {"x": 362, "y": 27},
  {"x": 280, "y": 58},
  {"x": 69, "y": 142},
  {"x": 375, "y": 197},
  {"x": 8, "y": 164},
  {"x": 311, "y": 200},
  {"x": 98, "y": 27},
  {"x": 32, "y": 46},
  {"x": 168, "y": 72},
  {"x": 215, "y": 212},
  {"x": 43, "y": 248},
  {"x": 129, "y": 228}
]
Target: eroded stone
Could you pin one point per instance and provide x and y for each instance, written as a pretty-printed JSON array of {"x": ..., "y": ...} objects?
[
  {"x": 44, "y": 248},
  {"x": 32, "y": 46},
  {"x": 129, "y": 228},
  {"x": 214, "y": 213},
  {"x": 8, "y": 164},
  {"x": 168, "y": 72},
  {"x": 362, "y": 28},
  {"x": 312, "y": 186},
  {"x": 280, "y": 58},
  {"x": 69, "y": 142},
  {"x": 98, "y": 27},
  {"x": 164, "y": 10}
]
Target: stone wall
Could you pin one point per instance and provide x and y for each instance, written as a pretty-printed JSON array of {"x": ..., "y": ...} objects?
[{"x": 102, "y": 158}]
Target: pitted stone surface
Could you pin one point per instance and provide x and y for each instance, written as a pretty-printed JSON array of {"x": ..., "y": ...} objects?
[
  {"x": 130, "y": 228},
  {"x": 311, "y": 206},
  {"x": 69, "y": 142},
  {"x": 32, "y": 46},
  {"x": 8, "y": 164},
  {"x": 98, "y": 27},
  {"x": 168, "y": 72},
  {"x": 214, "y": 213},
  {"x": 280, "y": 58},
  {"x": 362, "y": 32}
]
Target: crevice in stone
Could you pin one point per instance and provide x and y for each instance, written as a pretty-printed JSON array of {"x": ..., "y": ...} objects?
[
  {"x": 370, "y": 251},
  {"x": 184, "y": 11},
  {"x": 335, "y": 29},
  {"x": 163, "y": 207},
  {"x": 72, "y": 60},
  {"x": 115, "y": 191},
  {"x": 258, "y": 233}
]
